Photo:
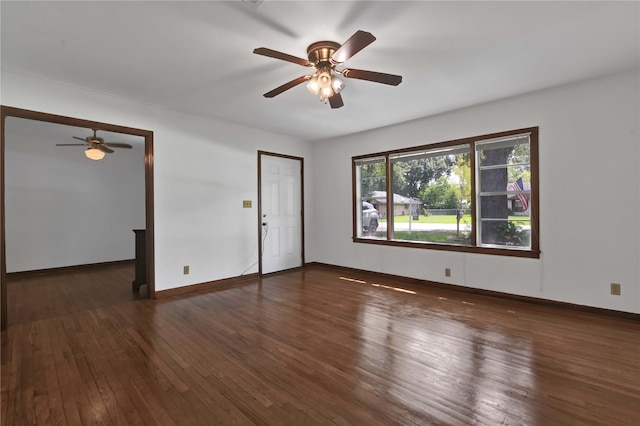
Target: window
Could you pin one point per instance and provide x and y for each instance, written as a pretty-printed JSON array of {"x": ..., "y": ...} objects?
[
  {"x": 476, "y": 194},
  {"x": 370, "y": 175},
  {"x": 504, "y": 191},
  {"x": 429, "y": 190}
]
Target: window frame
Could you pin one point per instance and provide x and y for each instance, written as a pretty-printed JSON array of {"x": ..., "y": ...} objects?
[{"x": 474, "y": 247}]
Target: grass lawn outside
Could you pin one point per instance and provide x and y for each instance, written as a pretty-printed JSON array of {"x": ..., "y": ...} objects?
[
  {"x": 522, "y": 220},
  {"x": 436, "y": 236},
  {"x": 448, "y": 237}
]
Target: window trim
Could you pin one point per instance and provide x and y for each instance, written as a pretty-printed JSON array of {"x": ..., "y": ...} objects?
[{"x": 532, "y": 252}]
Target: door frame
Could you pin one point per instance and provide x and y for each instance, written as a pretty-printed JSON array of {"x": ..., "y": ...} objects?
[
  {"x": 290, "y": 157},
  {"x": 7, "y": 111}
]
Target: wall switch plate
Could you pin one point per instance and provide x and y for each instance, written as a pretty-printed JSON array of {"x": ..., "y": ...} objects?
[
  {"x": 447, "y": 272},
  {"x": 185, "y": 269},
  {"x": 246, "y": 204},
  {"x": 615, "y": 289}
]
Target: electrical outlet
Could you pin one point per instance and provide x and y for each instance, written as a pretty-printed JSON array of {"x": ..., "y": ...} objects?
[
  {"x": 615, "y": 289},
  {"x": 185, "y": 269},
  {"x": 447, "y": 272}
]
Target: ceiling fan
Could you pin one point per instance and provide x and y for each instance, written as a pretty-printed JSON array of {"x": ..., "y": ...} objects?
[
  {"x": 97, "y": 147},
  {"x": 324, "y": 56}
]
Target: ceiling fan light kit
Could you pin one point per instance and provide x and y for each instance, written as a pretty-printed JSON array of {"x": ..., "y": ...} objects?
[
  {"x": 94, "y": 154},
  {"x": 97, "y": 147},
  {"x": 325, "y": 84},
  {"x": 324, "y": 56}
]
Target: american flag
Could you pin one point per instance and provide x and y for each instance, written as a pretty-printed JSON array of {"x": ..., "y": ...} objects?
[{"x": 518, "y": 186}]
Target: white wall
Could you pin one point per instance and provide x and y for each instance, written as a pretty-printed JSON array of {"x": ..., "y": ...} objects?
[
  {"x": 589, "y": 197},
  {"x": 203, "y": 169},
  {"x": 63, "y": 209}
]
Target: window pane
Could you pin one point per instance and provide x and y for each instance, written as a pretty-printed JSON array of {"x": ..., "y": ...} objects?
[
  {"x": 431, "y": 194},
  {"x": 504, "y": 197},
  {"x": 513, "y": 232},
  {"x": 371, "y": 175}
]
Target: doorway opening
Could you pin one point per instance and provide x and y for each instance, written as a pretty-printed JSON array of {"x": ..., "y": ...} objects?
[{"x": 43, "y": 118}]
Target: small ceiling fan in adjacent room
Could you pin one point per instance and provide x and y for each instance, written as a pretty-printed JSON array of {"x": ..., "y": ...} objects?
[
  {"x": 325, "y": 56},
  {"x": 97, "y": 147}
]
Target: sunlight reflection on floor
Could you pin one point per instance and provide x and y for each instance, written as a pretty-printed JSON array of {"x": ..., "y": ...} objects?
[{"x": 379, "y": 285}]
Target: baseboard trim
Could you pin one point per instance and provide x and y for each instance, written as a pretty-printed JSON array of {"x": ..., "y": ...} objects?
[
  {"x": 490, "y": 293},
  {"x": 64, "y": 269},
  {"x": 161, "y": 294}
]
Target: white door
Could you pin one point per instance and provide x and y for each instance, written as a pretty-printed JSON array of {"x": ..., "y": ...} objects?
[{"x": 281, "y": 213}]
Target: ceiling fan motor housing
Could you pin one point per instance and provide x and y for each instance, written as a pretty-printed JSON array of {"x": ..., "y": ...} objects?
[{"x": 320, "y": 52}]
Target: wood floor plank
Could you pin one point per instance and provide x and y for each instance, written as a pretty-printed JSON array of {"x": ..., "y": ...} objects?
[
  {"x": 63, "y": 373},
  {"x": 145, "y": 405},
  {"x": 40, "y": 390},
  {"x": 317, "y": 346},
  {"x": 53, "y": 393},
  {"x": 157, "y": 360}
]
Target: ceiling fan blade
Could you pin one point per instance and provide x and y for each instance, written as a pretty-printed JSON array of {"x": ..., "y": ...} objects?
[
  {"x": 103, "y": 148},
  {"x": 356, "y": 43},
  {"x": 336, "y": 101},
  {"x": 282, "y": 56},
  {"x": 287, "y": 86},
  {"x": 376, "y": 77},
  {"x": 117, "y": 145},
  {"x": 70, "y": 144},
  {"x": 80, "y": 139}
]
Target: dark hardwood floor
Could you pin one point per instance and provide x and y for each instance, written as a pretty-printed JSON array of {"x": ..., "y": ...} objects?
[{"x": 311, "y": 347}]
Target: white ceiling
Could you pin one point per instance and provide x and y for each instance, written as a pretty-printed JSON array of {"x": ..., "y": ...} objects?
[{"x": 196, "y": 57}]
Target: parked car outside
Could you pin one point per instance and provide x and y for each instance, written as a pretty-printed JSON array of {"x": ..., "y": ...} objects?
[{"x": 370, "y": 217}]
